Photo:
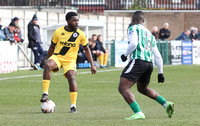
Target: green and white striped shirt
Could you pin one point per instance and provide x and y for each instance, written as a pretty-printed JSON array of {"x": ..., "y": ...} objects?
[
  {"x": 144, "y": 40},
  {"x": 142, "y": 45}
]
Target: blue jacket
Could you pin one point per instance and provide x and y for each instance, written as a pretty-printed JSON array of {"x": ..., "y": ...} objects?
[
  {"x": 182, "y": 36},
  {"x": 9, "y": 36}
]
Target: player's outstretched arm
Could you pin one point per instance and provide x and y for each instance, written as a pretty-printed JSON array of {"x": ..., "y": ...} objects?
[
  {"x": 51, "y": 50},
  {"x": 159, "y": 63},
  {"x": 89, "y": 57}
]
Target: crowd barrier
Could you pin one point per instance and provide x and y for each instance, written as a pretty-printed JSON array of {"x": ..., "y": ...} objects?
[
  {"x": 185, "y": 52},
  {"x": 8, "y": 57},
  {"x": 173, "y": 52}
]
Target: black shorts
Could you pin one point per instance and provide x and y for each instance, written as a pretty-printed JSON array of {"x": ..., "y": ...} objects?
[{"x": 138, "y": 71}]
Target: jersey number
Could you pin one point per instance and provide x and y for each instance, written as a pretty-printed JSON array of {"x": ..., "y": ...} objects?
[{"x": 147, "y": 40}]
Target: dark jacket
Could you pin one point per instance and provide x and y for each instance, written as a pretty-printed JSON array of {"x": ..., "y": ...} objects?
[
  {"x": 164, "y": 33},
  {"x": 31, "y": 34},
  {"x": 156, "y": 35},
  {"x": 101, "y": 48},
  {"x": 194, "y": 36}
]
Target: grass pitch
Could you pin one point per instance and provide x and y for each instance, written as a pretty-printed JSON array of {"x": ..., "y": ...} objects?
[{"x": 99, "y": 103}]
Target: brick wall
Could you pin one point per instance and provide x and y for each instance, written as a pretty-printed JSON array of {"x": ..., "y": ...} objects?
[{"x": 178, "y": 21}]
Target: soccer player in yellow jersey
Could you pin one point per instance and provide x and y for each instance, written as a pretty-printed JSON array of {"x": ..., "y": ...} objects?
[{"x": 63, "y": 54}]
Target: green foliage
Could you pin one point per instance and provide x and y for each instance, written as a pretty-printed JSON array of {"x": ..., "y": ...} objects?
[
  {"x": 136, "y": 6},
  {"x": 99, "y": 102}
]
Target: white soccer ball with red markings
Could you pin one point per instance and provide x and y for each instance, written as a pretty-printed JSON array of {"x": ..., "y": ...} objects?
[{"x": 48, "y": 107}]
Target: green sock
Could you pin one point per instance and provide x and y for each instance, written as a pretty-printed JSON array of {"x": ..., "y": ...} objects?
[
  {"x": 161, "y": 100},
  {"x": 135, "y": 107}
]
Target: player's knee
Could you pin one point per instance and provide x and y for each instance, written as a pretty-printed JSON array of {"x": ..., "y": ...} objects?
[
  {"x": 47, "y": 66},
  {"x": 120, "y": 89},
  {"x": 71, "y": 78},
  {"x": 141, "y": 90}
]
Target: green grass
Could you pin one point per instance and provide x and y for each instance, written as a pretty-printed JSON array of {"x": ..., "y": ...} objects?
[{"x": 99, "y": 102}]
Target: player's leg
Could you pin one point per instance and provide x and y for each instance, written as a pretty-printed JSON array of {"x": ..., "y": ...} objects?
[
  {"x": 169, "y": 106},
  {"x": 142, "y": 87},
  {"x": 72, "y": 88},
  {"x": 131, "y": 73},
  {"x": 101, "y": 58},
  {"x": 105, "y": 58},
  {"x": 50, "y": 65},
  {"x": 124, "y": 89}
]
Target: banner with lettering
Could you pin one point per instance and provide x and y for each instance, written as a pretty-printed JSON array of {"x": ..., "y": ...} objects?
[{"x": 186, "y": 52}]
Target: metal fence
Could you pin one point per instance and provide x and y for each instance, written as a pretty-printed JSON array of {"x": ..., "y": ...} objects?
[{"x": 101, "y": 5}]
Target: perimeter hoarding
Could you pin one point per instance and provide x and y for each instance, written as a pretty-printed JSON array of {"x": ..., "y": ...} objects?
[
  {"x": 120, "y": 48},
  {"x": 186, "y": 52}
]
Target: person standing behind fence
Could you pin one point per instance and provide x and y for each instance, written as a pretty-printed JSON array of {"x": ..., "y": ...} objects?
[
  {"x": 164, "y": 32},
  {"x": 35, "y": 40},
  {"x": 196, "y": 33},
  {"x": 184, "y": 36},
  {"x": 193, "y": 35},
  {"x": 103, "y": 57},
  {"x": 155, "y": 32},
  {"x": 8, "y": 31}
]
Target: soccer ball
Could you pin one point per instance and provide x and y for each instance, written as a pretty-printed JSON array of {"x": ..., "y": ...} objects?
[{"x": 48, "y": 107}]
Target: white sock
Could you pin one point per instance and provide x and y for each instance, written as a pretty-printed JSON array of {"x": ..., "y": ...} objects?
[
  {"x": 46, "y": 93},
  {"x": 141, "y": 113},
  {"x": 165, "y": 105},
  {"x": 72, "y": 105}
]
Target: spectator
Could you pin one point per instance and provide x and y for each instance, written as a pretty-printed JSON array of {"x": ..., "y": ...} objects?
[
  {"x": 35, "y": 41},
  {"x": 193, "y": 34},
  {"x": 16, "y": 21},
  {"x": 16, "y": 34},
  {"x": 198, "y": 34},
  {"x": 8, "y": 31},
  {"x": 81, "y": 55},
  {"x": 94, "y": 38},
  {"x": 103, "y": 57},
  {"x": 94, "y": 50},
  {"x": 164, "y": 32},
  {"x": 184, "y": 36},
  {"x": 2, "y": 36},
  {"x": 155, "y": 32}
]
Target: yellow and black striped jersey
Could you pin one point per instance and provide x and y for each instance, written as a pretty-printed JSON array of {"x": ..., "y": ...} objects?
[{"x": 67, "y": 43}]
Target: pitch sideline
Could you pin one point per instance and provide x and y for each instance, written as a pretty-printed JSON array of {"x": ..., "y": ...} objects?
[{"x": 40, "y": 75}]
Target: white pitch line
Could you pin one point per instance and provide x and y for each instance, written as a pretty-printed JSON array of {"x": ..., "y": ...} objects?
[{"x": 40, "y": 75}]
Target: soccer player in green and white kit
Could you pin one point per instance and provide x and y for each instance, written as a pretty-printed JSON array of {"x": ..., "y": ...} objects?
[{"x": 141, "y": 48}]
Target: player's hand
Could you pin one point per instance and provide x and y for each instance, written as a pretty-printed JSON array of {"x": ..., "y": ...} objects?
[
  {"x": 161, "y": 78},
  {"x": 123, "y": 57},
  {"x": 93, "y": 70}
]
